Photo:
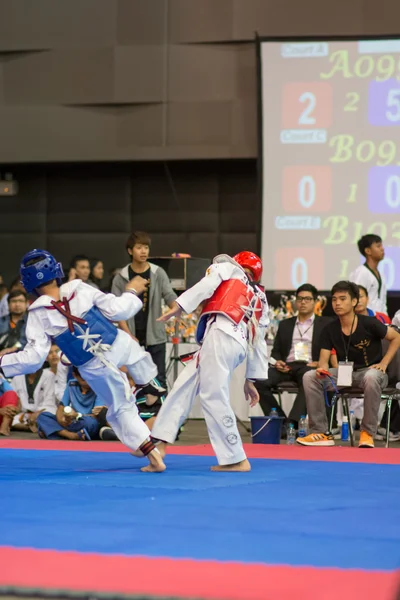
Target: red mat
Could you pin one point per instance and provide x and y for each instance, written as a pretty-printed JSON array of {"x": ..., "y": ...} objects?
[
  {"x": 385, "y": 456},
  {"x": 75, "y": 571}
]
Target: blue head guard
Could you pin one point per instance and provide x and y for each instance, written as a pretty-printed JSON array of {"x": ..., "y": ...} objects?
[{"x": 44, "y": 270}]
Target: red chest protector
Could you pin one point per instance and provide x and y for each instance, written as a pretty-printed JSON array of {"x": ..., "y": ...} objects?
[{"x": 233, "y": 299}]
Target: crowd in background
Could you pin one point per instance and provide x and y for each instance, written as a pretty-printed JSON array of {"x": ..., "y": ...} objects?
[{"x": 55, "y": 402}]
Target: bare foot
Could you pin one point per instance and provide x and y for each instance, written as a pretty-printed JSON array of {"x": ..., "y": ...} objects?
[
  {"x": 240, "y": 467},
  {"x": 6, "y": 431},
  {"x": 156, "y": 463},
  {"x": 162, "y": 448}
]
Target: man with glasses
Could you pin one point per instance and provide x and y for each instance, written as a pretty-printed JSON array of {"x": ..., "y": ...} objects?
[{"x": 295, "y": 351}]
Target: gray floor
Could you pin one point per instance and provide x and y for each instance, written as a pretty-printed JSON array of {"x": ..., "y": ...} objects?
[{"x": 195, "y": 432}]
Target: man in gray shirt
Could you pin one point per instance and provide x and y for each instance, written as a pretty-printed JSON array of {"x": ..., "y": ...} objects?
[{"x": 144, "y": 326}]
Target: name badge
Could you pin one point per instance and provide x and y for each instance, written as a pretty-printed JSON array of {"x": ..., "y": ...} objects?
[
  {"x": 345, "y": 374},
  {"x": 301, "y": 352}
]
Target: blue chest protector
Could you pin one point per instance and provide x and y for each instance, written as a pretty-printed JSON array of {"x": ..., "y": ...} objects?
[{"x": 76, "y": 349}]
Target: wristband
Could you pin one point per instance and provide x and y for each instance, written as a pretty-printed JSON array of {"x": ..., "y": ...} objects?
[{"x": 132, "y": 291}]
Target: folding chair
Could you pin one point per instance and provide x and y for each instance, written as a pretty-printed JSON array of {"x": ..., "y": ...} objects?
[{"x": 287, "y": 386}]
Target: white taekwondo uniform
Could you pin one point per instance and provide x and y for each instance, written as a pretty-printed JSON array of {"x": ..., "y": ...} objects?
[
  {"x": 81, "y": 325},
  {"x": 225, "y": 344}
]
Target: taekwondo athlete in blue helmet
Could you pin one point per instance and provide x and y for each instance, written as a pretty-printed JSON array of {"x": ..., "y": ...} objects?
[{"x": 79, "y": 319}]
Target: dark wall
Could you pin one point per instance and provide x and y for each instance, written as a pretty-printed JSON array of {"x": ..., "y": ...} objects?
[
  {"x": 201, "y": 208},
  {"x": 88, "y": 80}
]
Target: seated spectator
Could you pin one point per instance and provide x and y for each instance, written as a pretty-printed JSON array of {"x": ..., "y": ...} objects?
[
  {"x": 15, "y": 285},
  {"x": 80, "y": 269},
  {"x": 53, "y": 358},
  {"x": 80, "y": 422},
  {"x": 8, "y": 406},
  {"x": 296, "y": 350},
  {"x": 96, "y": 272},
  {"x": 357, "y": 340},
  {"x": 13, "y": 326},
  {"x": 362, "y": 307},
  {"x": 36, "y": 395}
]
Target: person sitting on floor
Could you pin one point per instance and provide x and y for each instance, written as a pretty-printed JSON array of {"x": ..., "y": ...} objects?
[
  {"x": 36, "y": 394},
  {"x": 76, "y": 415},
  {"x": 8, "y": 406}
]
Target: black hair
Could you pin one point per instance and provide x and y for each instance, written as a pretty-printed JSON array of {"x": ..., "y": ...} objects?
[
  {"x": 75, "y": 371},
  {"x": 137, "y": 237},
  {"x": 16, "y": 294},
  {"x": 366, "y": 242},
  {"x": 307, "y": 287},
  {"x": 346, "y": 286},
  {"x": 78, "y": 258},
  {"x": 364, "y": 289}
]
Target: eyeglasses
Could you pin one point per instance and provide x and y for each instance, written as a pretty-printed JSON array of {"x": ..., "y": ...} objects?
[{"x": 307, "y": 299}]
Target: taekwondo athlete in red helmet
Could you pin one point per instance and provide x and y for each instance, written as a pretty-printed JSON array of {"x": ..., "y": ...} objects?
[
  {"x": 231, "y": 327},
  {"x": 80, "y": 320}
]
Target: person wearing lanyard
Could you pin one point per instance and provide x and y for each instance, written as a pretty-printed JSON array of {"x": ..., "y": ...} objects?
[
  {"x": 357, "y": 340},
  {"x": 295, "y": 351}
]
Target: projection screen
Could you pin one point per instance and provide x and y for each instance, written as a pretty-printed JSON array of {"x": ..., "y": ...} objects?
[{"x": 330, "y": 158}]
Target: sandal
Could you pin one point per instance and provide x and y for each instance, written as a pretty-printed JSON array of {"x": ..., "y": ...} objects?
[{"x": 84, "y": 436}]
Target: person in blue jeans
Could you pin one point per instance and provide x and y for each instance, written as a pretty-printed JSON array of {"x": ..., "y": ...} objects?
[{"x": 79, "y": 421}]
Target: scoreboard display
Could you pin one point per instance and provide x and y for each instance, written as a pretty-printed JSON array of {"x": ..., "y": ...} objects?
[{"x": 330, "y": 158}]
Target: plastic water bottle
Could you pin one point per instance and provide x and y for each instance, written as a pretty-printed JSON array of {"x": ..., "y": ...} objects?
[
  {"x": 302, "y": 432},
  {"x": 345, "y": 429},
  {"x": 291, "y": 435},
  {"x": 273, "y": 413},
  {"x": 352, "y": 420}
]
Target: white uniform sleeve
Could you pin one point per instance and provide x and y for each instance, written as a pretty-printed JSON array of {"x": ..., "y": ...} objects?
[
  {"x": 47, "y": 399},
  {"x": 257, "y": 356},
  {"x": 396, "y": 319},
  {"x": 205, "y": 288},
  {"x": 32, "y": 357},
  {"x": 117, "y": 308},
  {"x": 19, "y": 387},
  {"x": 360, "y": 276},
  {"x": 60, "y": 382}
]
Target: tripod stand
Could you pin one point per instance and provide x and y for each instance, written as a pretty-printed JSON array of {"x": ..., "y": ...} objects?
[{"x": 174, "y": 359}]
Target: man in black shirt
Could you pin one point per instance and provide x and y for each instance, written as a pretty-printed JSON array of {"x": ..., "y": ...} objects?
[{"x": 357, "y": 340}]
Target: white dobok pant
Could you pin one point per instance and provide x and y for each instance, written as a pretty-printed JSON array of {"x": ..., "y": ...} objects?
[
  {"x": 218, "y": 357},
  {"x": 112, "y": 386}
]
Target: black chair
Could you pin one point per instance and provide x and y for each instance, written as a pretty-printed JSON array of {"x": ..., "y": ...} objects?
[
  {"x": 388, "y": 394},
  {"x": 287, "y": 386}
]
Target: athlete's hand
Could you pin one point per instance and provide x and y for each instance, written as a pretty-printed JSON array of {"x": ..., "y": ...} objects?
[
  {"x": 250, "y": 392},
  {"x": 138, "y": 284},
  {"x": 175, "y": 311}
]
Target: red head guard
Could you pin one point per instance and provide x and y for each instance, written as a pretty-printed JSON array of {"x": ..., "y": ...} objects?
[{"x": 249, "y": 260}]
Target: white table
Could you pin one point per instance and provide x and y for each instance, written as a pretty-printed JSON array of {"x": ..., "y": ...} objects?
[{"x": 240, "y": 406}]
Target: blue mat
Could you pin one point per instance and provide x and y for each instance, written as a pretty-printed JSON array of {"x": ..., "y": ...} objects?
[{"x": 284, "y": 512}]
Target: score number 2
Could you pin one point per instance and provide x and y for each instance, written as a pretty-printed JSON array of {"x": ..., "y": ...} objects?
[
  {"x": 305, "y": 118},
  {"x": 307, "y": 105}
]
